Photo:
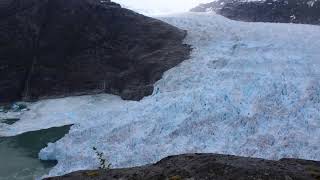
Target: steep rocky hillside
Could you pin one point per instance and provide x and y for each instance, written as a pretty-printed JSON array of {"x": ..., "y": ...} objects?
[
  {"x": 51, "y": 48},
  {"x": 282, "y": 11},
  {"x": 209, "y": 166}
]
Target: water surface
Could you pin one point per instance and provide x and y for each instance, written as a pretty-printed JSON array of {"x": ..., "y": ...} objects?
[{"x": 19, "y": 154}]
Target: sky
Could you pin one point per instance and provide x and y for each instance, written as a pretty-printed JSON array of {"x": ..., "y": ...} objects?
[{"x": 160, "y": 7}]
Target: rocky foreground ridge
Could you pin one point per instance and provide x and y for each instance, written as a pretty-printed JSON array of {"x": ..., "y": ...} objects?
[
  {"x": 208, "y": 166},
  {"x": 280, "y": 11},
  {"x": 54, "y": 48}
]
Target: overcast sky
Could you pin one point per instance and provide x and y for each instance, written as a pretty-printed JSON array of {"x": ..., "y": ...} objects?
[{"x": 158, "y": 7}]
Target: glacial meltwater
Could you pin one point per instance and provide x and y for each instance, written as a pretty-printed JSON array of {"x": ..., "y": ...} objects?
[{"x": 19, "y": 154}]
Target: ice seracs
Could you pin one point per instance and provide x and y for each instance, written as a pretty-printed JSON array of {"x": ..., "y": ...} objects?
[{"x": 249, "y": 89}]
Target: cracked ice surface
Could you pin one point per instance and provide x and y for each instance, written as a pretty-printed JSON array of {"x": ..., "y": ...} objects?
[{"x": 249, "y": 89}]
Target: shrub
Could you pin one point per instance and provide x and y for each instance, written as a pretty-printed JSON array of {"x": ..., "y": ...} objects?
[{"x": 103, "y": 163}]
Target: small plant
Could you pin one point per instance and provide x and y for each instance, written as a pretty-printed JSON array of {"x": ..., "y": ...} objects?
[{"x": 103, "y": 163}]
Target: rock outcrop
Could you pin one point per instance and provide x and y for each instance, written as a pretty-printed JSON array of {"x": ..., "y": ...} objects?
[
  {"x": 280, "y": 11},
  {"x": 54, "y": 48},
  {"x": 208, "y": 166}
]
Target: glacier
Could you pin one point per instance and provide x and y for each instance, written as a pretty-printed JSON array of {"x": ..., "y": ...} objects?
[
  {"x": 156, "y": 7},
  {"x": 249, "y": 89}
]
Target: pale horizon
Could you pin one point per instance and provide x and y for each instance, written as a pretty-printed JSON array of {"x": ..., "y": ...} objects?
[{"x": 160, "y": 7}]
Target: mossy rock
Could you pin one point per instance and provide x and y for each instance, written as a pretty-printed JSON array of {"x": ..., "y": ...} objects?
[
  {"x": 92, "y": 174},
  {"x": 175, "y": 178}
]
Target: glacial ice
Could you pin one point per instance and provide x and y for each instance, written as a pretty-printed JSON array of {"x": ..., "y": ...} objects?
[
  {"x": 156, "y": 7},
  {"x": 249, "y": 89}
]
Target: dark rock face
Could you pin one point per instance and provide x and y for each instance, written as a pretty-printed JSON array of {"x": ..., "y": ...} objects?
[
  {"x": 281, "y": 11},
  {"x": 51, "y": 48},
  {"x": 209, "y": 166}
]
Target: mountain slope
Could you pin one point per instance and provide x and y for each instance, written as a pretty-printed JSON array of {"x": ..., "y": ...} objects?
[
  {"x": 53, "y": 48},
  {"x": 280, "y": 11}
]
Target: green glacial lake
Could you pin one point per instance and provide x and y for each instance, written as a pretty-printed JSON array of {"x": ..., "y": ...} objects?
[{"x": 19, "y": 154}]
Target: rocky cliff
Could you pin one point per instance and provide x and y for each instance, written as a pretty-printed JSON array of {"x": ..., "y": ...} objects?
[
  {"x": 51, "y": 48},
  {"x": 209, "y": 166},
  {"x": 281, "y": 11}
]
